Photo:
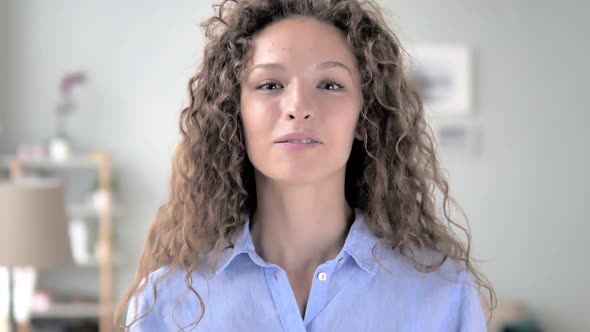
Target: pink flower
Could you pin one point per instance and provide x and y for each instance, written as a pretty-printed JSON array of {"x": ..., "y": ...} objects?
[
  {"x": 67, "y": 83},
  {"x": 69, "y": 80}
]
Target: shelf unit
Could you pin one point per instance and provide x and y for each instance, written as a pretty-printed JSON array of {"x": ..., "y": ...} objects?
[
  {"x": 102, "y": 163},
  {"x": 69, "y": 311}
]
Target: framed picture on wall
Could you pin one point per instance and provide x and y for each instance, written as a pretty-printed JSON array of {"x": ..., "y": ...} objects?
[
  {"x": 442, "y": 74},
  {"x": 457, "y": 138}
]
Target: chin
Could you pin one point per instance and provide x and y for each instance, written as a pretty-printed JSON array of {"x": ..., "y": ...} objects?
[
  {"x": 304, "y": 177},
  {"x": 298, "y": 173},
  {"x": 293, "y": 177}
]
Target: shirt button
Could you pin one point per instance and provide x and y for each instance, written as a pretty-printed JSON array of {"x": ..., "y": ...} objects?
[
  {"x": 322, "y": 276},
  {"x": 340, "y": 260}
]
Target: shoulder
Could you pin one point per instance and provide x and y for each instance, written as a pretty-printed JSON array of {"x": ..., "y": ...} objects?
[
  {"x": 409, "y": 273},
  {"x": 174, "y": 280},
  {"x": 415, "y": 262},
  {"x": 449, "y": 291},
  {"x": 164, "y": 295}
]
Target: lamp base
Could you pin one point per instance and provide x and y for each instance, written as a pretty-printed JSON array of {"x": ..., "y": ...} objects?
[
  {"x": 11, "y": 297},
  {"x": 21, "y": 286}
]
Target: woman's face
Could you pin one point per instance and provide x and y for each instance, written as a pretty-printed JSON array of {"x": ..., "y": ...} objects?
[{"x": 303, "y": 77}]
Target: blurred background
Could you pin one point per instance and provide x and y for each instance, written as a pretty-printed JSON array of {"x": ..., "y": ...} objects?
[{"x": 90, "y": 91}]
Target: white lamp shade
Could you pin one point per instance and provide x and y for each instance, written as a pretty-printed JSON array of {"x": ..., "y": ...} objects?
[{"x": 34, "y": 224}]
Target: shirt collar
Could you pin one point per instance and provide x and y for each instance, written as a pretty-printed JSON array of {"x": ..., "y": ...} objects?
[{"x": 358, "y": 244}]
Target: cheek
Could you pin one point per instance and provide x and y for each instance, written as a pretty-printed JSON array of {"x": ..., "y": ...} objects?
[
  {"x": 342, "y": 120},
  {"x": 257, "y": 124},
  {"x": 249, "y": 114},
  {"x": 342, "y": 125}
]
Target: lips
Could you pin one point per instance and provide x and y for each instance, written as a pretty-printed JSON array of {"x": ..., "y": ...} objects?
[
  {"x": 300, "y": 141},
  {"x": 298, "y": 137}
]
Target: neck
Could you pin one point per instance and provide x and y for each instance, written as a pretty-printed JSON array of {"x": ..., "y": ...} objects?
[{"x": 300, "y": 227}]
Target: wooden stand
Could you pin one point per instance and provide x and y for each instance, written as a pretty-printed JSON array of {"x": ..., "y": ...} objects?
[{"x": 101, "y": 161}]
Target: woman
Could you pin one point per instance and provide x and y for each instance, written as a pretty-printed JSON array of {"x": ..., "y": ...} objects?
[{"x": 302, "y": 192}]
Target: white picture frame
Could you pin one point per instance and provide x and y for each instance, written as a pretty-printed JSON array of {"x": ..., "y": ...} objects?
[
  {"x": 442, "y": 74},
  {"x": 457, "y": 138}
]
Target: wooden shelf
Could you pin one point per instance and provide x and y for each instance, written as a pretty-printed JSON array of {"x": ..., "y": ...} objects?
[
  {"x": 69, "y": 311},
  {"x": 87, "y": 161},
  {"x": 102, "y": 164},
  {"x": 89, "y": 211},
  {"x": 95, "y": 263}
]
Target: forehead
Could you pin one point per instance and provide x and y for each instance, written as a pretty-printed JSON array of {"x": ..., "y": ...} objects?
[{"x": 301, "y": 40}]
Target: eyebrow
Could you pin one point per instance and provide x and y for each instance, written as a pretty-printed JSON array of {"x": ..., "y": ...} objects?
[{"x": 278, "y": 66}]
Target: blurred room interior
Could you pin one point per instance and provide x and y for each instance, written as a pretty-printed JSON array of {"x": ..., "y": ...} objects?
[{"x": 90, "y": 92}]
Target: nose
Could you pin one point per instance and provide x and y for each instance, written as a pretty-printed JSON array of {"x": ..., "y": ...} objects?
[{"x": 298, "y": 103}]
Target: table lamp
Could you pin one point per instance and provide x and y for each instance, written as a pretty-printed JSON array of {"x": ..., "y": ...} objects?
[{"x": 33, "y": 234}]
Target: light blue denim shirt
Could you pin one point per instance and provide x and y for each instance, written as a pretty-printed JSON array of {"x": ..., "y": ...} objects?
[{"x": 352, "y": 292}]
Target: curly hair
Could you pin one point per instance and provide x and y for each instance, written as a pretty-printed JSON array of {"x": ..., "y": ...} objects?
[{"x": 392, "y": 174}]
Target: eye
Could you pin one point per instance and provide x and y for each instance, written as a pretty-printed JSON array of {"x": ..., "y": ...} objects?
[
  {"x": 269, "y": 84},
  {"x": 330, "y": 84},
  {"x": 333, "y": 84}
]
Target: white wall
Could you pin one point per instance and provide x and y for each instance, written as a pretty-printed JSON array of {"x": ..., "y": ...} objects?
[
  {"x": 3, "y": 64},
  {"x": 526, "y": 195},
  {"x": 138, "y": 56}
]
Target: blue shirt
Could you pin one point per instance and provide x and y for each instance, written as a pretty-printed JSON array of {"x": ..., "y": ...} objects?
[{"x": 352, "y": 292}]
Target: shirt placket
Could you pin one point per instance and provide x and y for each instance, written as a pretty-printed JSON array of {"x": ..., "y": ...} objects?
[
  {"x": 284, "y": 299},
  {"x": 320, "y": 289}
]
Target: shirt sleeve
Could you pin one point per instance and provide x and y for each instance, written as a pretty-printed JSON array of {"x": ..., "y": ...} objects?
[{"x": 471, "y": 315}]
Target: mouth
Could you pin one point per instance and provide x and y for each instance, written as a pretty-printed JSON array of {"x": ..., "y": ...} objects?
[{"x": 300, "y": 141}]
